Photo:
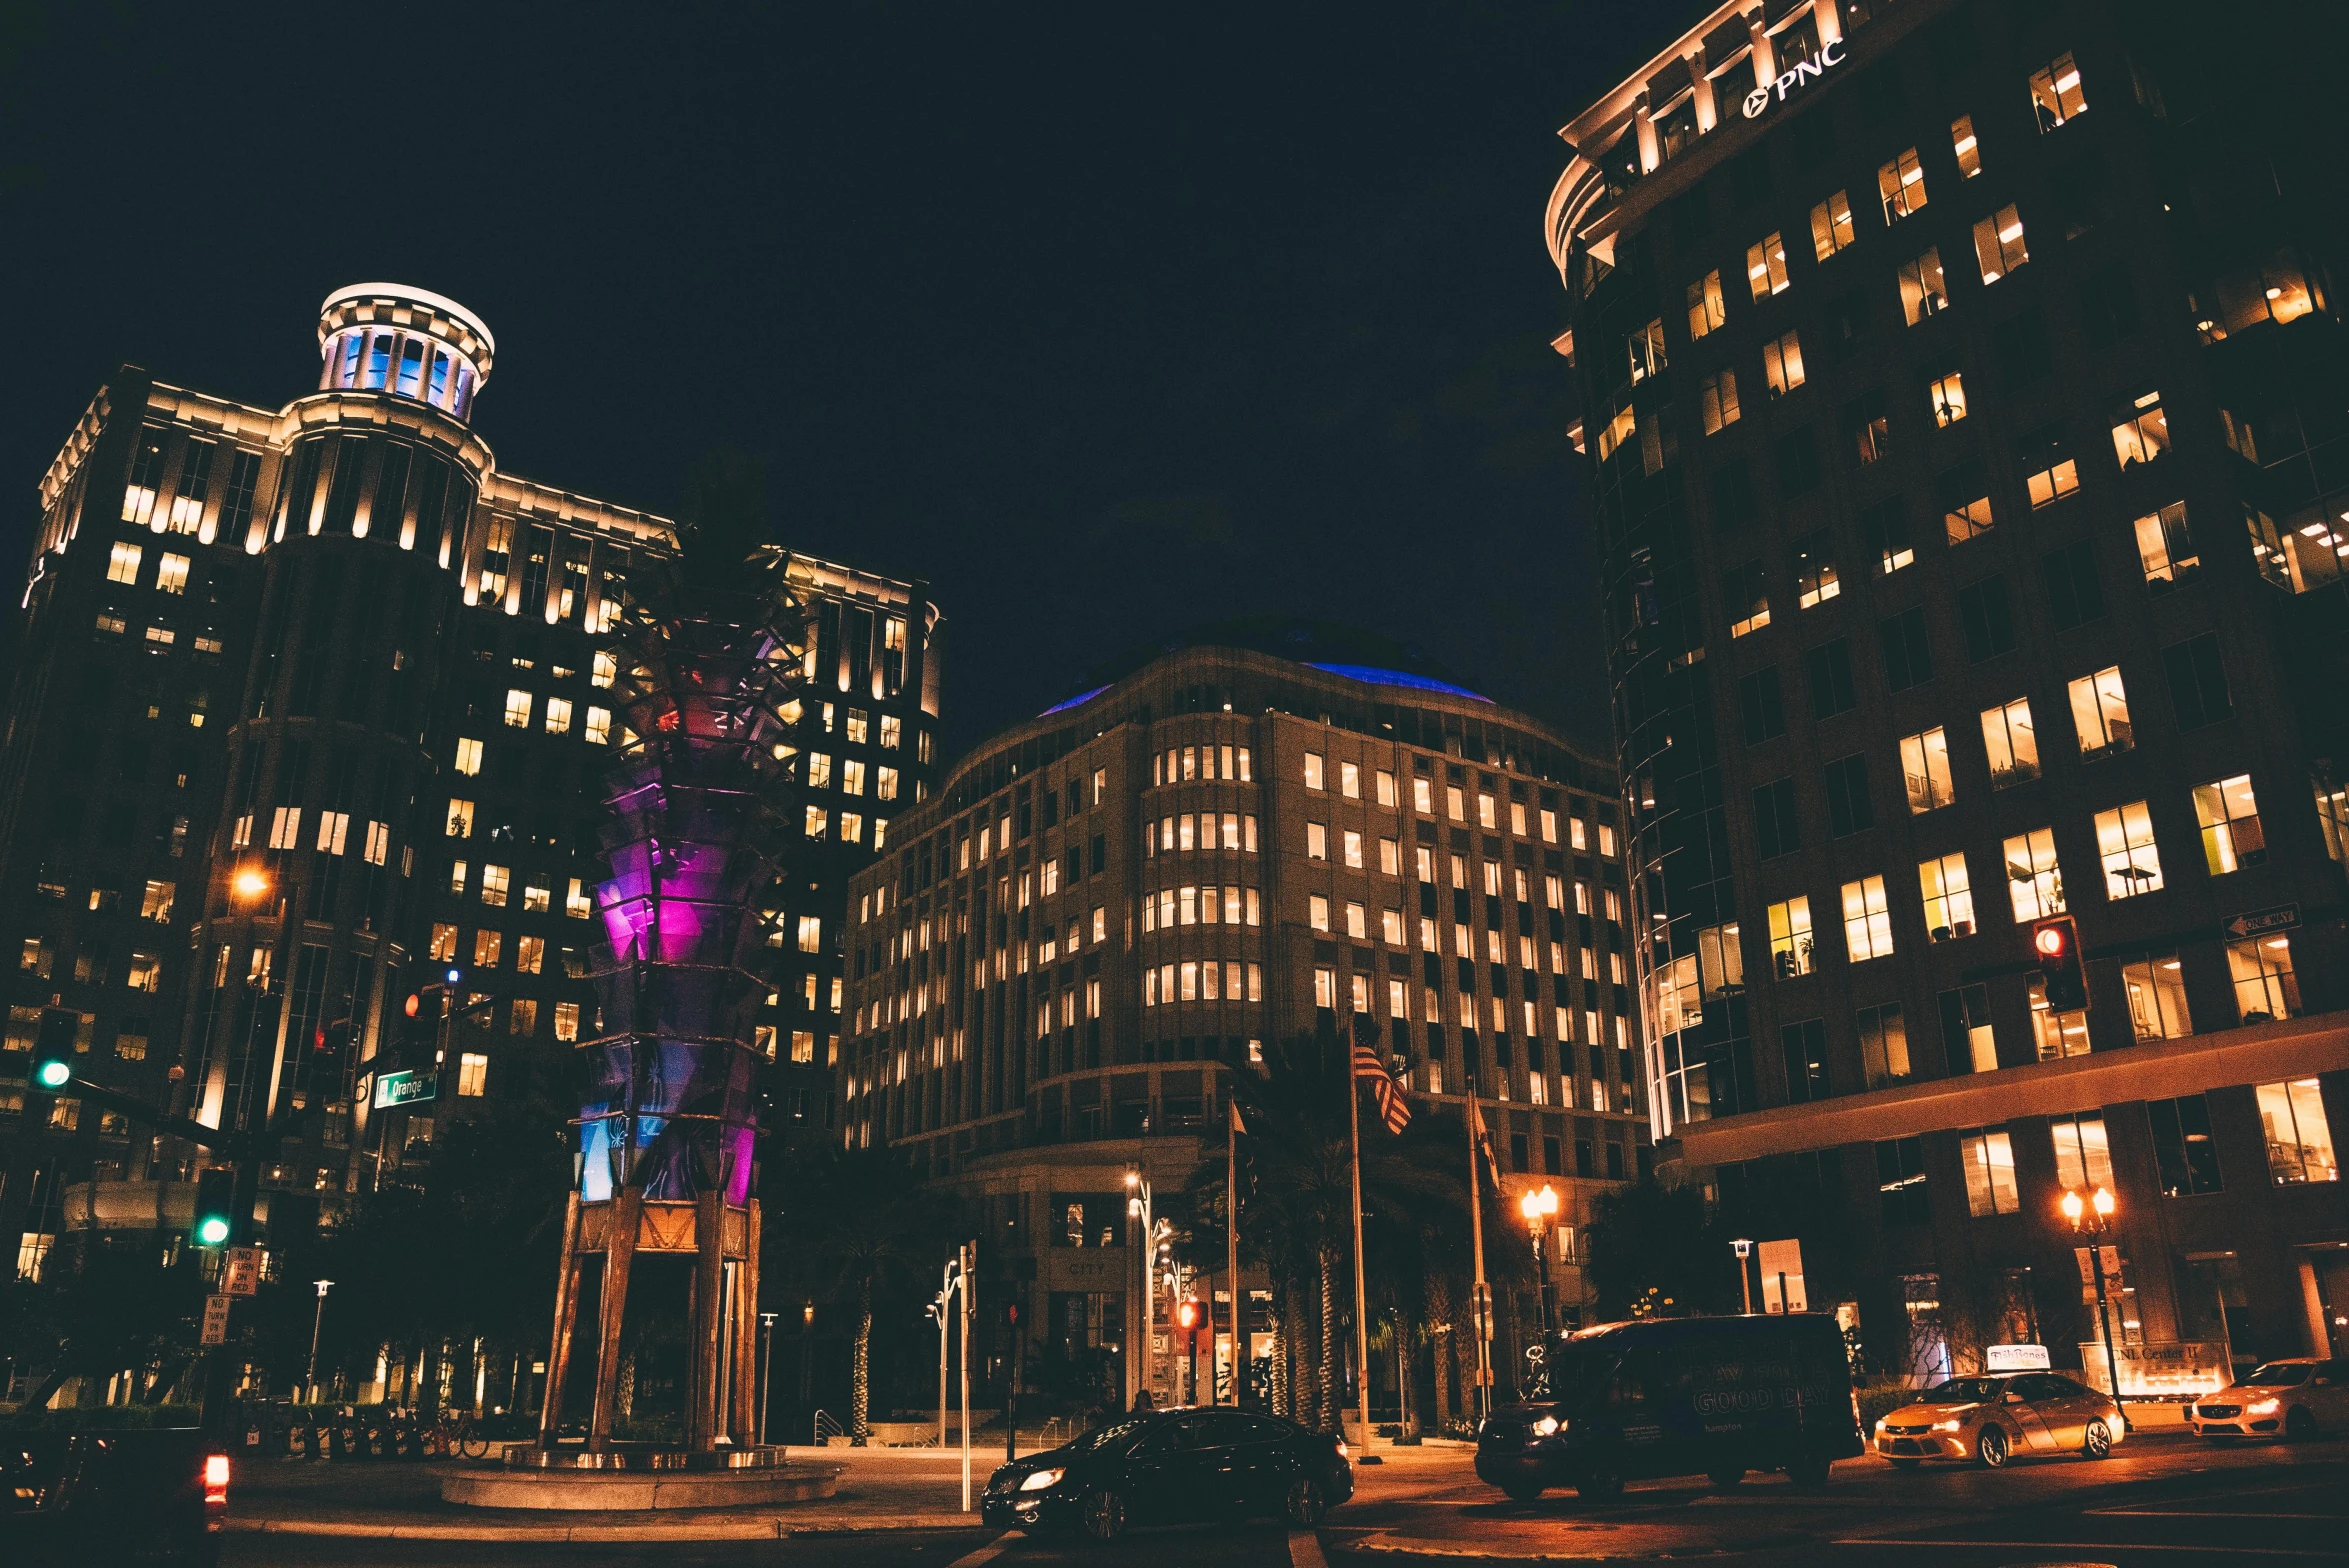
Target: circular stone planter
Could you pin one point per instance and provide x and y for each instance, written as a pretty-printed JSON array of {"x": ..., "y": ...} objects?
[{"x": 643, "y": 1485}]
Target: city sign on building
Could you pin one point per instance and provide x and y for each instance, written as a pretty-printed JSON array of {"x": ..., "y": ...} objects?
[{"x": 1759, "y": 99}]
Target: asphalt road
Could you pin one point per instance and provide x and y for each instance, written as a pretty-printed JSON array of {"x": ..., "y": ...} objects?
[{"x": 2166, "y": 1501}]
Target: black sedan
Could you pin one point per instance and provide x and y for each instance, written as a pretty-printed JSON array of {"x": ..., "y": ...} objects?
[{"x": 1181, "y": 1466}]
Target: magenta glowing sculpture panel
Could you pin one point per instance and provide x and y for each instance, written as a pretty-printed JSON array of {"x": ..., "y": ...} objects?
[{"x": 694, "y": 823}]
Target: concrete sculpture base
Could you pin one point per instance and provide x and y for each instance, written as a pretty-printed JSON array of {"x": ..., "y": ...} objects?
[{"x": 639, "y": 1479}]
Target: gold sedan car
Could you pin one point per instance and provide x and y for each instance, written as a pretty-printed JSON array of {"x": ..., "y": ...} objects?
[{"x": 1988, "y": 1419}]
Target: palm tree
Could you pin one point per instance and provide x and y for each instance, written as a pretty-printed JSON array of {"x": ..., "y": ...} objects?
[{"x": 861, "y": 1223}]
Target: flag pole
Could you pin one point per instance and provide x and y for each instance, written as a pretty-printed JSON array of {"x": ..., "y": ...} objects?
[
  {"x": 1231, "y": 1201},
  {"x": 1361, "y": 1296},
  {"x": 1484, "y": 1387}
]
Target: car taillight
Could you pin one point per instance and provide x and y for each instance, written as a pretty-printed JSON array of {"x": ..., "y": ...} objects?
[{"x": 216, "y": 1480}]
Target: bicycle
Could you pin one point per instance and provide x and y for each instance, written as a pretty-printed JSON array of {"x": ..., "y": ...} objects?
[{"x": 461, "y": 1435}]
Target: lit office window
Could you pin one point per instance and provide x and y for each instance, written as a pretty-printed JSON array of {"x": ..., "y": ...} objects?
[
  {"x": 171, "y": 573},
  {"x": 1949, "y": 897},
  {"x": 1867, "y": 919},
  {"x": 472, "y": 1074},
  {"x": 2049, "y": 471},
  {"x": 2156, "y": 988},
  {"x": 1901, "y": 185},
  {"x": 2100, "y": 713},
  {"x": 1998, "y": 243},
  {"x": 599, "y": 726},
  {"x": 2229, "y": 817},
  {"x": 2012, "y": 744},
  {"x": 1831, "y": 229},
  {"x": 2299, "y": 1139},
  {"x": 2035, "y": 883},
  {"x": 1717, "y": 393},
  {"x": 518, "y": 710},
  {"x": 1988, "y": 1155},
  {"x": 494, "y": 881},
  {"x": 2265, "y": 987},
  {"x": 1765, "y": 267},
  {"x": 122, "y": 565},
  {"x": 1924, "y": 292},
  {"x": 2056, "y": 93},
  {"x": 1790, "y": 938},
  {"x": 468, "y": 757},
  {"x": 1962, "y": 142},
  {"x": 1782, "y": 364},
  {"x": 1705, "y": 310},
  {"x": 558, "y": 715},
  {"x": 1948, "y": 396},
  {"x": 2141, "y": 431},
  {"x": 2124, "y": 841},
  {"x": 1924, "y": 766},
  {"x": 2165, "y": 548}
]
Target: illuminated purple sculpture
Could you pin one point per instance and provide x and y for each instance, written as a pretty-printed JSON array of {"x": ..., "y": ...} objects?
[{"x": 693, "y": 828}]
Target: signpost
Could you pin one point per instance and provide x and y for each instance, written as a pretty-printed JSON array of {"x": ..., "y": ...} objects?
[
  {"x": 216, "y": 1320},
  {"x": 2015, "y": 1358},
  {"x": 240, "y": 1271},
  {"x": 411, "y": 1087},
  {"x": 2252, "y": 922}
]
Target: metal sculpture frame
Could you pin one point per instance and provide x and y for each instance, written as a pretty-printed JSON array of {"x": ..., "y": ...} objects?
[{"x": 694, "y": 828}]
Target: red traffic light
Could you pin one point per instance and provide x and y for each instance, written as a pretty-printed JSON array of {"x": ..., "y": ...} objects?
[
  {"x": 2052, "y": 940},
  {"x": 414, "y": 1002},
  {"x": 1189, "y": 1313},
  {"x": 2055, "y": 941}
]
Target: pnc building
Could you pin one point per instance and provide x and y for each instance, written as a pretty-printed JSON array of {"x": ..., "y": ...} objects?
[{"x": 1960, "y": 392}]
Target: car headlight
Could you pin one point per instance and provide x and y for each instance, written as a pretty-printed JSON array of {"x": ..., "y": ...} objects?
[
  {"x": 1547, "y": 1426},
  {"x": 1038, "y": 1480},
  {"x": 1949, "y": 1426},
  {"x": 1880, "y": 1425},
  {"x": 2265, "y": 1407}
]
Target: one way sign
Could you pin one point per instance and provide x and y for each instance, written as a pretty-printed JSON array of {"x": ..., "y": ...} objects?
[{"x": 2281, "y": 917}]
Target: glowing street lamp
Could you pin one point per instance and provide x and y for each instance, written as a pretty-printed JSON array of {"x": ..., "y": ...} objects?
[
  {"x": 1539, "y": 1208},
  {"x": 250, "y": 883},
  {"x": 2093, "y": 1219}
]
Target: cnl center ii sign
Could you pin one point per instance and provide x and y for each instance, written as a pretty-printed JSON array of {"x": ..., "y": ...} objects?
[{"x": 1759, "y": 99}]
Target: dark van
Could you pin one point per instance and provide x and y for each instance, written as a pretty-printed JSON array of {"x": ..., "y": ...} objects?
[{"x": 1681, "y": 1396}]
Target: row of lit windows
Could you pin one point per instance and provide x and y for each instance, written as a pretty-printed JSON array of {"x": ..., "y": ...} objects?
[
  {"x": 537, "y": 897},
  {"x": 558, "y": 711},
  {"x": 161, "y": 638},
  {"x": 185, "y": 515},
  {"x": 1349, "y": 785}
]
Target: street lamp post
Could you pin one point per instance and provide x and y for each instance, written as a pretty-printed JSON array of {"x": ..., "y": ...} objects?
[
  {"x": 1745, "y": 1289},
  {"x": 1138, "y": 1209},
  {"x": 766, "y": 1369},
  {"x": 807, "y": 1354},
  {"x": 317, "y": 1320},
  {"x": 2093, "y": 1219},
  {"x": 1539, "y": 1208}
]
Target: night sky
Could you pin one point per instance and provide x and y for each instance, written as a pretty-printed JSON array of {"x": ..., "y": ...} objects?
[{"x": 1107, "y": 320}]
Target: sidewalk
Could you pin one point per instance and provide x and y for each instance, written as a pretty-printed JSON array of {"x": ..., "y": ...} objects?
[{"x": 905, "y": 1489}]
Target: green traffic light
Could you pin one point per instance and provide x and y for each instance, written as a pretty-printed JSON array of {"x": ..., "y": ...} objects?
[
  {"x": 54, "y": 1074},
  {"x": 212, "y": 1231}
]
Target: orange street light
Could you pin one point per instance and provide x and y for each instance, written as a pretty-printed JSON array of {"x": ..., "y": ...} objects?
[
  {"x": 1538, "y": 1208},
  {"x": 250, "y": 883}
]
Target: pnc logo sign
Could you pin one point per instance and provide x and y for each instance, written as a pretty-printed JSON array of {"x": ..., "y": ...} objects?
[{"x": 1759, "y": 99}]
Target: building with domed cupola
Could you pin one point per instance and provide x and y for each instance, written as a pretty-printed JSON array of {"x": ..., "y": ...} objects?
[
  {"x": 311, "y": 702},
  {"x": 1266, "y": 830}
]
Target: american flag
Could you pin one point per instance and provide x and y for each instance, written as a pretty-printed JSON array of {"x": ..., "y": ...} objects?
[
  {"x": 1369, "y": 1065},
  {"x": 1482, "y": 1140}
]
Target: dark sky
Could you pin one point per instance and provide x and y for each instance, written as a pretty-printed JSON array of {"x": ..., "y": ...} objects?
[{"x": 1107, "y": 319}]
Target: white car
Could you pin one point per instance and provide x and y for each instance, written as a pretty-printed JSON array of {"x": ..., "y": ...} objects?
[{"x": 2296, "y": 1397}]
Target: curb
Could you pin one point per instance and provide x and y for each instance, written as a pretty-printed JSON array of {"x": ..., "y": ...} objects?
[{"x": 764, "y": 1529}]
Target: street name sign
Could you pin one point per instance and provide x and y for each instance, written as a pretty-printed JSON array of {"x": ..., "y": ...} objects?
[{"x": 405, "y": 1088}]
